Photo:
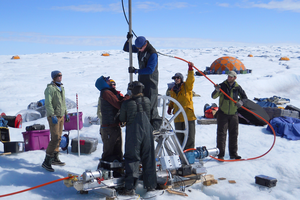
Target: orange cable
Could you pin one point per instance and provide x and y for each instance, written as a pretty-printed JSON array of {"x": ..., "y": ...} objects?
[
  {"x": 274, "y": 140},
  {"x": 38, "y": 186}
]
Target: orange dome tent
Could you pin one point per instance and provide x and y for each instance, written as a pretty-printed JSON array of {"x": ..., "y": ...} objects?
[
  {"x": 16, "y": 57},
  {"x": 250, "y": 55},
  {"x": 227, "y": 64},
  {"x": 284, "y": 58},
  {"x": 105, "y": 54}
]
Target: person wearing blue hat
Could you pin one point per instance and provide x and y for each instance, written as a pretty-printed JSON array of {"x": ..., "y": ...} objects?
[
  {"x": 147, "y": 73},
  {"x": 55, "y": 105},
  {"x": 109, "y": 104}
]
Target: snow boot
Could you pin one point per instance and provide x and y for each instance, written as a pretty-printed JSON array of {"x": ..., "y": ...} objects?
[
  {"x": 56, "y": 160},
  {"x": 126, "y": 192},
  {"x": 47, "y": 163}
]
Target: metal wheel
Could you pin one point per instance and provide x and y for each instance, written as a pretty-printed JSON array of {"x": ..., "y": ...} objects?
[{"x": 167, "y": 120}]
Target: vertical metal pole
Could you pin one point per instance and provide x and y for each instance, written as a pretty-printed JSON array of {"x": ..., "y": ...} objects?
[
  {"x": 130, "y": 42},
  {"x": 78, "y": 126}
]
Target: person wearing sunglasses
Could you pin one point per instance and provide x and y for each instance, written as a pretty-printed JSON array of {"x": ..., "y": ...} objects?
[
  {"x": 55, "y": 105},
  {"x": 147, "y": 73},
  {"x": 183, "y": 93}
]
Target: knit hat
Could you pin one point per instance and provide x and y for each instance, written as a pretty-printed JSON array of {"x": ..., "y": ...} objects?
[
  {"x": 178, "y": 75},
  {"x": 137, "y": 87},
  {"x": 232, "y": 74},
  {"x": 140, "y": 41},
  {"x": 112, "y": 81},
  {"x": 55, "y": 73}
]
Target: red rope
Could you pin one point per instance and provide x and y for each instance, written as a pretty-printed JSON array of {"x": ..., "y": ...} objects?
[
  {"x": 274, "y": 140},
  {"x": 38, "y": 186}
]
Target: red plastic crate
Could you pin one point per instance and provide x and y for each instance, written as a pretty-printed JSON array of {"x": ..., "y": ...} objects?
[{"x": 36, "y": 140}]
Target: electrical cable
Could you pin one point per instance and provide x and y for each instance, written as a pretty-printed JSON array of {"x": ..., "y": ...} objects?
[
  {"x": 274, "y": 140},
  {"x": 126, "y": 16},
  {"x": 241, "y": 107},
  {"x": 38, "y": 186}
]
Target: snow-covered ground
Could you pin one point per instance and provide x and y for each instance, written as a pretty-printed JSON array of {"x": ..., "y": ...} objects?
[{"x": 24, "y": 81}]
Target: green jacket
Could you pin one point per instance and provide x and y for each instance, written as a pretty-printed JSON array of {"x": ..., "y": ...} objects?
[
  {"x": 55, "y": 102},
  {"x": 227, "y": 106}
]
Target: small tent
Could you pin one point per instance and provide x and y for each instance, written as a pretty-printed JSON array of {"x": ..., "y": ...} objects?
[
  {"x": 105, "y": 54},
  {"x": 246, "y": 117},
  {"x": 227, "y": 64},
  {"x": 284, "y": 58},
  {"x": 15, "y": 57},
  {"x": 250, "y": 55}
]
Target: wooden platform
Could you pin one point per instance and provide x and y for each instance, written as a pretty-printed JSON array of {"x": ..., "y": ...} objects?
[
  {"x": 178, "y": 181},
  {"x": 203, "y": 120}
]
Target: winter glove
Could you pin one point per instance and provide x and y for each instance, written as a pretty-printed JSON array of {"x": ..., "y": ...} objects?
[
  {"x": 239, "y": 103},
  {"x": 129, "y": 88},
  {"x": 54, "y": 120},
  {"x": 132, "y": 70},
  {"x": 129, "y": 35},
  {"x": 191, "y": 66},
  {"x": 217, "y": 88},
  {"x": 169, "y": 110},
  {"x": 129, "y": 93},
  {"x": 67, "y": 118}
]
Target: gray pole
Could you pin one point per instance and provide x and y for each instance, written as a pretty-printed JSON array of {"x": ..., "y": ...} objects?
[{"x": 130, "y": 41}]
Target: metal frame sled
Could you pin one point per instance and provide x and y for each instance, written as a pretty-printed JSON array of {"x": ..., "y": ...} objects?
[{"x": 174, "y": 166}]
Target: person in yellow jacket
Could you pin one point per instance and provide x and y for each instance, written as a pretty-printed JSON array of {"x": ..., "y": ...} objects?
[{"x": 183, "y": 93}]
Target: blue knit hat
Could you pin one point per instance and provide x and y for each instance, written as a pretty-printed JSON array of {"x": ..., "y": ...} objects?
[
  {"x": 54, "y": 74},
  {"x": 140, "y": 41}
]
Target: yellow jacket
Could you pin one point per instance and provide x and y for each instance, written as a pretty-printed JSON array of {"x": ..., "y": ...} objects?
[{"x": 185, "y": 98}]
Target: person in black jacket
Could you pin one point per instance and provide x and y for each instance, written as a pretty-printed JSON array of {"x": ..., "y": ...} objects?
[
  {"x": 147, "y": 73},
  {"x": 139, "y": 143},
  {"x": 110, "y": 131}
]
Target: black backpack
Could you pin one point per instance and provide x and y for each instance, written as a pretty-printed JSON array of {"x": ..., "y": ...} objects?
[{"x": 35, "y": 127}]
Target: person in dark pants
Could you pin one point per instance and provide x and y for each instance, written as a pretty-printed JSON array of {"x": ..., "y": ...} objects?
[
  {"x": 183, "y": 93},
  {"x": 147, "y": 73},
  {"x": 55, "y": 105},
  {"x": 227, "y": 117},
  {"x": 110, "y": 131},
  {"x": 139, "y": 143}
]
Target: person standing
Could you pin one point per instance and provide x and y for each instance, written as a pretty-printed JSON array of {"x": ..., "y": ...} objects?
[
  {"x": 183, "y": 93},
  {"x": 227, "y": 116},
  {"x": 110, "y": 131},
  {"x": 120, "y": 96},
  {"x": 56, "y": 110},
  {"x": 139, "y": 142},
  {"x": 147, "y": 73}
]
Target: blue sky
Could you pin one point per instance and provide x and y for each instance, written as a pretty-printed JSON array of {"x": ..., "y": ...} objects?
[{"x": 47, "y": 26}]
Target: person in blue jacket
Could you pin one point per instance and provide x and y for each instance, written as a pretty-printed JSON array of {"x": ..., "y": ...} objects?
[{"x": 147, "y": 73}]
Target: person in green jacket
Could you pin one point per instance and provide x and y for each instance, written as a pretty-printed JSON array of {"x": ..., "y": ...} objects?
[
  {"x": 56, "y": 110},
  {"x": 227, "y": 116},
  {"x": 183, "y": 93}
]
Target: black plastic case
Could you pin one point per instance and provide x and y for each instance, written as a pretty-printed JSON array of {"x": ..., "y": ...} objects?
[{"x": 265, "y": 180}]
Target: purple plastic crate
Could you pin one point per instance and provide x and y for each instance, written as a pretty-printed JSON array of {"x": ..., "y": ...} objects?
[
  {"x": 36, "y": 140},
  {"x": 72, "y": 124}
]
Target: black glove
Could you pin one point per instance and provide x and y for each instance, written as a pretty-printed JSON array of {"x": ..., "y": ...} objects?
[
  {"x": 129, "y": 35},
  {"x": 132, "y": 70},
  {"x": 239, "y": 103},
  {"x": 217, "y": 88}
]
